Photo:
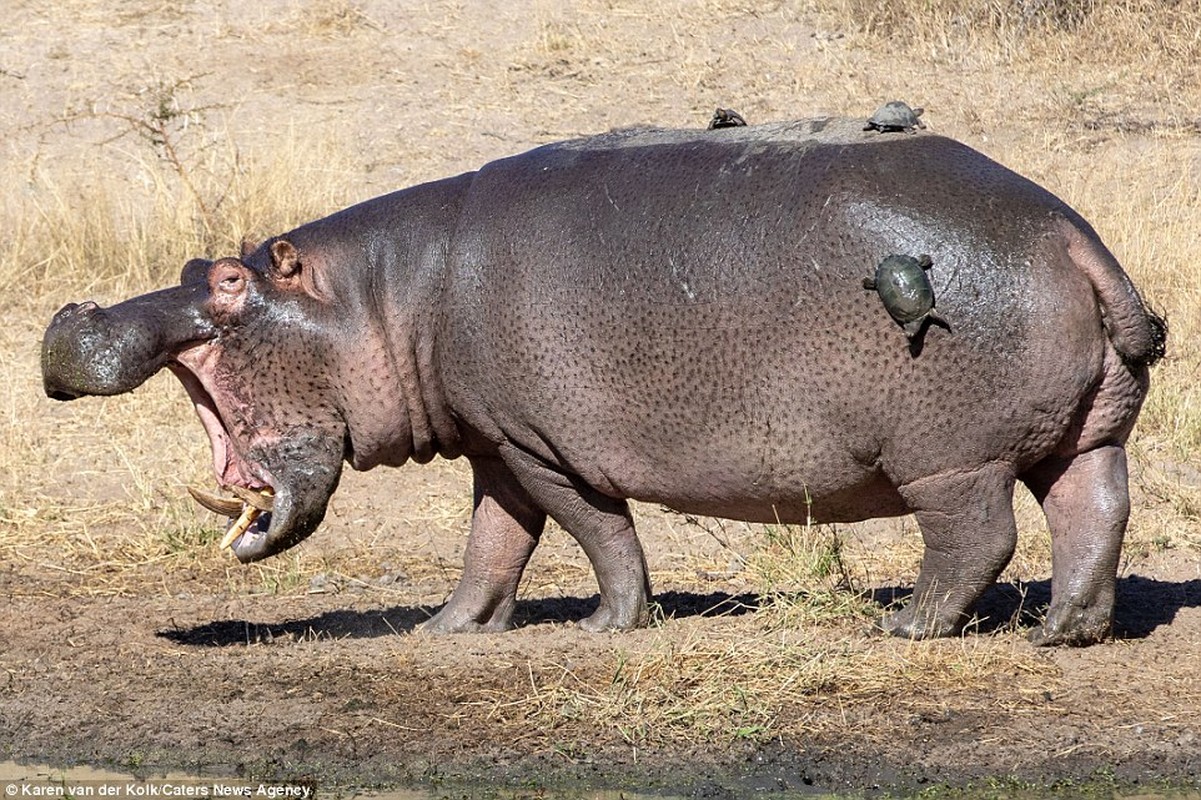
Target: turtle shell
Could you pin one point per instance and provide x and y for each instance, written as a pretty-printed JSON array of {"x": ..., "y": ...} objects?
[
  {"x": 904, "y": 287},
  {"x": 726, "y": 118},
  {"x": 895, "y": 116}
]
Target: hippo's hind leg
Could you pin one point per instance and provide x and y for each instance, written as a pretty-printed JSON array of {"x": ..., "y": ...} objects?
[
  {"x": 505, "y": 527},
  {"x": 603, "y": 527},
  {"x": 1086, "y": 500},
  {"x": 967, "y": 524}
]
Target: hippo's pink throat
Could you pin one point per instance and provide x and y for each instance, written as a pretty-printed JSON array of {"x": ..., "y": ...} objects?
[{"x": 253, "y": 489}]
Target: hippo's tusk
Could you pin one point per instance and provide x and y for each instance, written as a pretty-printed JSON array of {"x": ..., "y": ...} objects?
[
  {"x": 248, "y": 506},
  {"x": 240, "y": 526},
  {"x": 263, "y": 499},
  {"x": 225, "y": 506}
]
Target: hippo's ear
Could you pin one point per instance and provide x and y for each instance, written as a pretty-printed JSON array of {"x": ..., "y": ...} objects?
[
  {"x": 285, "y": 260},
  {"x": 195, "y": 271},
  {"x": 288, "y": 270}
]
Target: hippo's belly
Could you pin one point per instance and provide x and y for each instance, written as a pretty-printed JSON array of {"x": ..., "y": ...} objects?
[
  {"x": 718, "y": 410},
  {"x": 840, "y": 496}
]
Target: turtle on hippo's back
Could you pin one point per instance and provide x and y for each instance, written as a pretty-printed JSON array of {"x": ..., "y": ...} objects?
[{"x": 895, "y": 116}]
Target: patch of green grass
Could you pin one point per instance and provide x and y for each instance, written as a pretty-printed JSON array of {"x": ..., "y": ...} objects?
[
  {"x": 190, "y": 538},
  {"x": 807, "y": 578},
  {"x": 283, "y": 574}
]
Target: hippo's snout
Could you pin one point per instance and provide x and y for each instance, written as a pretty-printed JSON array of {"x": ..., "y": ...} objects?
[
  {"x": 90, "y": 350},
  {"x": 57, "y": 374}
]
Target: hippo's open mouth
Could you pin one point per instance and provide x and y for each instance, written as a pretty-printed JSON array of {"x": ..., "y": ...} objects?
[{"x": 253, "y": 500}]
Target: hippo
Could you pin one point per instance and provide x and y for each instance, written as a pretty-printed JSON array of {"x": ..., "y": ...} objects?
[{"x": 676, "y": 318}]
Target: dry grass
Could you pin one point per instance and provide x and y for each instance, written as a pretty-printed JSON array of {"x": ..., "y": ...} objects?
[
  {"x": 808, "y": 577},
  {"x": 1146, "y": 36},
  {"x": 333, "y": 20},
  {"x": 199, "y": 197},
  {"x": 1096, "y": 100},
  {"x": 743, "y": 681}
]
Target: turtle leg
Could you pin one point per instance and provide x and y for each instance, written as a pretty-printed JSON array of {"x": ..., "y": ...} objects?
[
  {"x": 967, "y": 524},
  {"x": 938, "y": 319}
]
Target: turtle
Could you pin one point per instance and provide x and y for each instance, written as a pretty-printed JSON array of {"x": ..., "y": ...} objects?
[
  {"x": 895, "y": 116},
  {"x": 905, "y": 291},
  {"x": 726, "y": 118}
]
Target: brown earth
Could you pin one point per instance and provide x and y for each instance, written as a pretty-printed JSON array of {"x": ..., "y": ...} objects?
[{"x": 127, "y": 640}]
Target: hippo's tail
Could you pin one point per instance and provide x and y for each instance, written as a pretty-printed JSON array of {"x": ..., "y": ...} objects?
[{"x": 1136, "y": 332}]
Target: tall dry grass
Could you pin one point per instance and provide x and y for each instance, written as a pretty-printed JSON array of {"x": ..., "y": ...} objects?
[
  {"x": 191, "y": 194},
  {"x": 1148, "y": 34}
]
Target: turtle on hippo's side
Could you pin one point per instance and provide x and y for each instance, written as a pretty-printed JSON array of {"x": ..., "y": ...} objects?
[{"x": 906, "y": 292}]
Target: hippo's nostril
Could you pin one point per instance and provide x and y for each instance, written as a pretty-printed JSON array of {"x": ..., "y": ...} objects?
[{"x": 72, "y": 309}]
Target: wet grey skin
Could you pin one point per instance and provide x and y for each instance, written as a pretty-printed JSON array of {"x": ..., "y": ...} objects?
[{"x": 673, "y": 317}]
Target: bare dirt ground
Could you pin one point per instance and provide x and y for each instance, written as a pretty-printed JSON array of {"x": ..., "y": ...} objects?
[{"x": 127, "y": 640}]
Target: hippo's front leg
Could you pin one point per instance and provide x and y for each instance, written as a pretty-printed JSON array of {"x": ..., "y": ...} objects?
[
  {"x": 603, "y": 527},
  {"x": 505, "y": 527}
]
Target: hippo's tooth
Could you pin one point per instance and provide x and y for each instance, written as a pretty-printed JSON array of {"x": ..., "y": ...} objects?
[
  {"x": 263, "y": 500},
  {"x": 240, "y": 526},
  {"x": 225, "y": 506}
]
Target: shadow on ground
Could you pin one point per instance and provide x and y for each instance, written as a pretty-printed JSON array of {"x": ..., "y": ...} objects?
[
  {"x": 355, "y": 624},
  {"x": 1143, "y": 604}
]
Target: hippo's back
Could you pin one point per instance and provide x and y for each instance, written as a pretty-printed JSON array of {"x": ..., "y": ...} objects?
[{"x": 672, "y": 312}]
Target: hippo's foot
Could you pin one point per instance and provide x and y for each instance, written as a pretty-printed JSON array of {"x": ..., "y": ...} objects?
[
  {"x": 967, "y": 524},
  {"x": 619, "y": 617},
  {"x": 625, "y": 588},
  {"x": 1086, "y": 500},
  {"x": 912, "y": 622},
  {"x": 604, "y": 529},
  {"x": 456, "y": 617},
  {"x": 505, "y": 528},
  {"x": 1074, "y": 625}
]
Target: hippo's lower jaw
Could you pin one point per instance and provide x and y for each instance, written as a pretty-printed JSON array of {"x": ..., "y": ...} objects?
[
  {"x": 309, "y": 469},
  {"x": 293, "y": 476}
]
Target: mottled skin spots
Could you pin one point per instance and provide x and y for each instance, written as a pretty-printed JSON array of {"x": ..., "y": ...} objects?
[{"x": 675, "y": 317}]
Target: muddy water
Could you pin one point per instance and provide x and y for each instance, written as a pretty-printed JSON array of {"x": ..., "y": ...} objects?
[{"x": 82, "y": 783}]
